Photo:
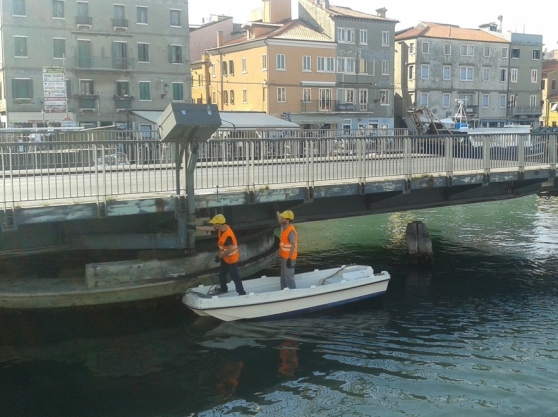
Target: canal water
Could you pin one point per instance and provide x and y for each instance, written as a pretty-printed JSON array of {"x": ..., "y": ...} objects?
[{"x": 476, "y": 334}]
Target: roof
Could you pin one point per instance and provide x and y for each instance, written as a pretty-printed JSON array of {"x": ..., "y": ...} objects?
[
  {"x": 342, "y": 11},
  {"x": 235, "y": 120},
  {"x": 445, "y": 31},
  {"x": 293, "y": 30}
]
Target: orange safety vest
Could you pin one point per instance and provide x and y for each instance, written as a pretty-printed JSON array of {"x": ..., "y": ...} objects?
[
  {"x": 231, "y": 258},
  {"x": 285, "y": 245}
]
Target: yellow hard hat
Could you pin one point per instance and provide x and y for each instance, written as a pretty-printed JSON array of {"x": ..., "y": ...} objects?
[
  {"x": 218, "y": 219},
  {"x": 287, "y": 214}
]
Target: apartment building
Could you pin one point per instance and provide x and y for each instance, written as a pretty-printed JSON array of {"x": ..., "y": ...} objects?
[
  {"x": 285, "y": 69},
  {"x": 92, "y": 63},
  {"x": 364, "y": 64},
  {"x": 495, "y": 75},
  {"x": 549, "y": 116}
]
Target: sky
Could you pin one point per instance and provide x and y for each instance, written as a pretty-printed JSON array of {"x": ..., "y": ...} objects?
[{"x": 536, "y": 19}]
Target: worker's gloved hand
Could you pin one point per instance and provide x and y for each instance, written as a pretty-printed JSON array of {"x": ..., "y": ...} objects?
[
  {"x": 217, "y": 259},
  {"x": 289, "y": 263}
]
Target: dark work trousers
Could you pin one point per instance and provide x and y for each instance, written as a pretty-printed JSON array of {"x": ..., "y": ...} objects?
[{"x": 224, "y": 270}]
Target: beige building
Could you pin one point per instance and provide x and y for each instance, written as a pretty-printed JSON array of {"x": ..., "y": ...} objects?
[
  {"x": 284, "y": 69},
  {"x": 92, "y": 63}
]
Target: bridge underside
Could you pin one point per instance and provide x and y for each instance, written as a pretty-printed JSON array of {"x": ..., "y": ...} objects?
[{"x": 148, "y": 227}]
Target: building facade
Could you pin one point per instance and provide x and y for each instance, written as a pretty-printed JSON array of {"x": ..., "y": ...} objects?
[
  {"x": 549, "y": 116},
  {"x": 92, "y": 63},
  {"x": 364, "y": 64},
  {"x": 496, "y": 76}
]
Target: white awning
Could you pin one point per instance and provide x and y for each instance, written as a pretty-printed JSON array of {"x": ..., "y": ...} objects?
[{"x": 235, "y": 120}]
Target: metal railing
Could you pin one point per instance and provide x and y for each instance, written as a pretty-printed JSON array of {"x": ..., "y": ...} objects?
[{"x": 105, "y": 165}]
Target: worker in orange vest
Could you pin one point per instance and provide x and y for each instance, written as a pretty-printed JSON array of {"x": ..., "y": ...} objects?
[
  {"x": 287, "y": 248},
  {"x": 228, "y": 255}
]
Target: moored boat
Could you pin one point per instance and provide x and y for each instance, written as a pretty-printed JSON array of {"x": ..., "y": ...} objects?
[{"x": 316, "y": 290}]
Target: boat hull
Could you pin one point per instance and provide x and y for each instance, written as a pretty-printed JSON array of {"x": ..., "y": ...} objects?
[{"x": 317, "y": 290}]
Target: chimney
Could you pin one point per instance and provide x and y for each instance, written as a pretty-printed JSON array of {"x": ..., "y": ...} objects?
[
  {"x": 381, "y": 12},
  {"x": 219, "y": 39}
]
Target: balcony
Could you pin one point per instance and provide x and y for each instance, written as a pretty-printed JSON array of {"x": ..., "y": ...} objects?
[
  {"x": 526, "y": 111},
  {"x": 472, "y": 110},
  {"x": 123, "y": 102},
  {"x": 84, "y": 21},
  {"x": 86, "y": 101},
  {"x": 103, "y": 63},
  {"x": 330, "y": 106},
  {"x": 119, "y": 24}
]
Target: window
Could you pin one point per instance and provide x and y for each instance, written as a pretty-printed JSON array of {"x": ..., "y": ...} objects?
[
  {"x": 175, "y": 54},
  {"x": 515, "y": 53},
  {"x": 224, "y": 67},
  {"x": 426, "y": 48},
  {"x": 425, "y": 72},
  {"x": 144, "y": 90},
  {"x": 349, "y": 95},
  {"x": 280, "y": 62},
  {"x": 362, "y": 66},
  {"x": 122, "y": 88},
  {"x": 19, "y": 8},
  {"x": 120, "y": 55},
  {"x": 306, "y": 95},
  {"x": 244, "y": 66},
  {"x": 178, "y": 91},
  {"x": 424, "y": 99},
  {"x": 325, "y": 98},
  {"x": 467, "y": 50},
  {"x": 446, "y": 72},
  {"x": 231, "y": 67},
  {"x": 83, "y": 12},
  {"x": 59, "y": 48},
  {"x": 485, "y": 101},
  {"x": 264, "y": 62},
  {"x": 384, "y": 97},
  {"x": 447, "y": 48},
  {"x": 22, "y": 88},
  {"x": 446, "y": 100},
  {"x": 213, "y": 69},
  {"x": 553, "y": 85},
  {"x": 326, "y": 64},
  {"x": 513, "y": 75},
  {"x": 363, "y": 36},
  {"x": 345, "y": 35},
  {"x": 346, "y": 65},
  {"x": 411, "y": 72},
  {"x": 143, "y": 52},
  {"x": 486, "y": 74},
  {"x": 281, "y": 94},
  {"x": 502, "y": 101},
  {"x": 58, "y": 8},
  {"x": 534, "y": 75},
  {"x": 86, "y": 87},
  {"x": 385, "y": 38},
  {"x": 20, "y": 46},
  {"x": 533, "y": 100},
  {"x": 503, "y": 74},
  {"x": 487, "y": 51},
  {"x": 142, "y": 15},
  {"x": 84, "y": 53},
  {"x": 175, "y": 19},
  {"x": 505, "y": 52},
  {"x": 536, "y": 54},
  {"x": 350, "y": 36},
  {"x": 411, "y": 48},
  {"x": 385, "y": 67},
  {"x": 231, "y": 96},
  {"x": 245, "y": 96},
  {"x": 363, "y": 99},
  {"x": 306, "y": 63},
  {"x": 466, "y": 73},
  {"x": 225, "y": 97}
]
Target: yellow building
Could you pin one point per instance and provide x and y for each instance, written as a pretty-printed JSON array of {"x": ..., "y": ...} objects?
[
  {"x": 550, "y": 94},
  {"x": 286, "y": 68}
]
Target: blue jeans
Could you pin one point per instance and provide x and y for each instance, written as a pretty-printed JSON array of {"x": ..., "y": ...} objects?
[{"x": 224, "y": 270}]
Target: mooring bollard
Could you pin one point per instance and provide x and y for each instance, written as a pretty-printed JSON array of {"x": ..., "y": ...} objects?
[{"x": 419, "y": 244}]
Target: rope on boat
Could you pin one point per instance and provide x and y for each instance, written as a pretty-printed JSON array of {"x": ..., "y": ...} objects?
[{"x": 335, "y": 273}]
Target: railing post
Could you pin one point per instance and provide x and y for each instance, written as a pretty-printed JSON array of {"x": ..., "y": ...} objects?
[
  {"x": 449, "y": 156},
  {"x": 520, "y": 141},
  {"x": 552, "y": 148}
]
